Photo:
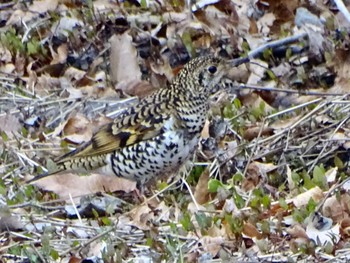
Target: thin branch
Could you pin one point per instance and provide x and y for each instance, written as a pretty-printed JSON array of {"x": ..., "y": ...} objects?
[
  {"x": 342, "y": 8},
  {"x": 299, "y": 92}
]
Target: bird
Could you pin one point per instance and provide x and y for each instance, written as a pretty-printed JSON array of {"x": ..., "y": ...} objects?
[{"x": 157, "y": 135}]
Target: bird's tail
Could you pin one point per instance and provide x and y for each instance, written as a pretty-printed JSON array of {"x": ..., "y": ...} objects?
[{"x": 82, "y": 164}]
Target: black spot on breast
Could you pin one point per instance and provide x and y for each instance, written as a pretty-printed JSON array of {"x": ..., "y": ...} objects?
[{"x": 171, "y": 146}]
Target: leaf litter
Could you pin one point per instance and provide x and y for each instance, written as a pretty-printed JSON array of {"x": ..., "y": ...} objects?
[{"x": 268, "y": 181}]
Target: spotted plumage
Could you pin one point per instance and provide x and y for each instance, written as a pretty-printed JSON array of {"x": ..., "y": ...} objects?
[{"x": 156, "y": 136}]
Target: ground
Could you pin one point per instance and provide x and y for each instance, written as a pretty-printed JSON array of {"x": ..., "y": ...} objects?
[{"x": 268, "y": 181}]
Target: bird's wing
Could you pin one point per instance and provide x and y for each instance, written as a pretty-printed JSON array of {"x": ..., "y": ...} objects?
[{"x": 133, "y": 126}]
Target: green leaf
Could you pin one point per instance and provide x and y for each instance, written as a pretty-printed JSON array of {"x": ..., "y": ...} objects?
[
  {"x": 266, "y": 202},
  {"x": 24, "y": 132},
  {"x": 235, "y": 223},
  {"x": 4, "y": 136},
  {"x": 237, "y": 178},
  {"x": 319, "y": 177},
  {"x": 149, "y": 241},
  {"x": 3, "y": 189},
  {"x": 186, "y": 223},
  {"x": 106, "y": 221},
  {"x": 203, "y": 220},
  {"x": 338, "y": 162},
  {"x": 283, "y": 203},
  {"x": 187, "y": 40},
  {"x": 237, "y": 103},
  {"x": 213, "y": 185},
  {"x": 288, "y": 53},
  {"x": 311, "y": 206},
  {"x": 33, "y": 47},
  {"x": 143, "y": 4},
  {"x": 271, "y": 74},
  {"x": 54, "y": 254}
]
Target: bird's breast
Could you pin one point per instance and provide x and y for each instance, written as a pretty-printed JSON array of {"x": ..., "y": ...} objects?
[{"x": 158, "y": 156}]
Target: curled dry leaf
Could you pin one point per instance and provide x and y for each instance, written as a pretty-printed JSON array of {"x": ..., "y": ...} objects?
[
  {"x": 251, "y": 231},
  {"x": 345, "y": 228},
  {"x": 61, "y": 55},
  {"x": 201, "y": 193},
  {"x": 253, "y": 132},
  {"x": 78, "y": 129},
  {"x": 256, "y": 172}
]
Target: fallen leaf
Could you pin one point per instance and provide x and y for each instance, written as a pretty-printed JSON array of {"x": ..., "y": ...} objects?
[
  {"x": 141, "y": 217},
  {"x": 124, "y": 63},
  {"x": 251, "y": 231},
  {"x": 303, "y": 199},
  {"x": 78, "y": 129},
  {"x": 137, "y": 88},
  {"x": 66, "y": 184},
  {"x": 212, "y": 245},
  {"x": 201, "y": 193}
]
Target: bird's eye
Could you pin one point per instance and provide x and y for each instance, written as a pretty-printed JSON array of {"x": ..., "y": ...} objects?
[{"x": 212, "y": 69}]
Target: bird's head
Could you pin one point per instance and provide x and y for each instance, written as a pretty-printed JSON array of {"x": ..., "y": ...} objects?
[{"x": 202, "y": 75}]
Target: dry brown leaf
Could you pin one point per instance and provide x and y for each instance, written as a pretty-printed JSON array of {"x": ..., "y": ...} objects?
[
  {"x": 254, "y": 100},
  {"x": 141, "y": 216},
  {"x": 61, "y": 55},
  {"x": 251, "y": 231},
  {"x": 10, "y": 223},
  {"x": 337, "y": 208},
  {"x": 75, "y": 259},
  {"x": 345, "y": 228},
  {"x": 217, "y": 22},
  {"x": 78, "y": 129},
  {"x": 124, "y": 63},
  {"x": 265, "y": 22},
  {"x": 212, "y": 244},
  {"x": 137, "y": 88},
  {"x": 253, "y": 132},
  {"x": 255, "y": 173},
  {"x": 66, "y": 184},
  {"x": 9, "y": 124},
  {"x": 297, "y": 231},
  {"x": 43, "y": 6},
  {"x": 205, "y": 130},
  {"x": 19, "y": 16},
  {"x": 283, "y": 124},
  {"x": 201, "y": 193},
  {"x": 73, "y": 74}
]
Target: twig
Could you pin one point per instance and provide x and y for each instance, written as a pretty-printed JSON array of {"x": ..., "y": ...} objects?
[
  {"x": 300, "y": 92},
  {"x": 75, "y": 208},
  {"x": 89, "y": 241},
  {"x": 285, "y": 41},
  {"x": 342, "y": 8},
  {"x": 7, "y": 5},
  {"x": 257, "y": 52},
  {"x": 38, "y": 253}
]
